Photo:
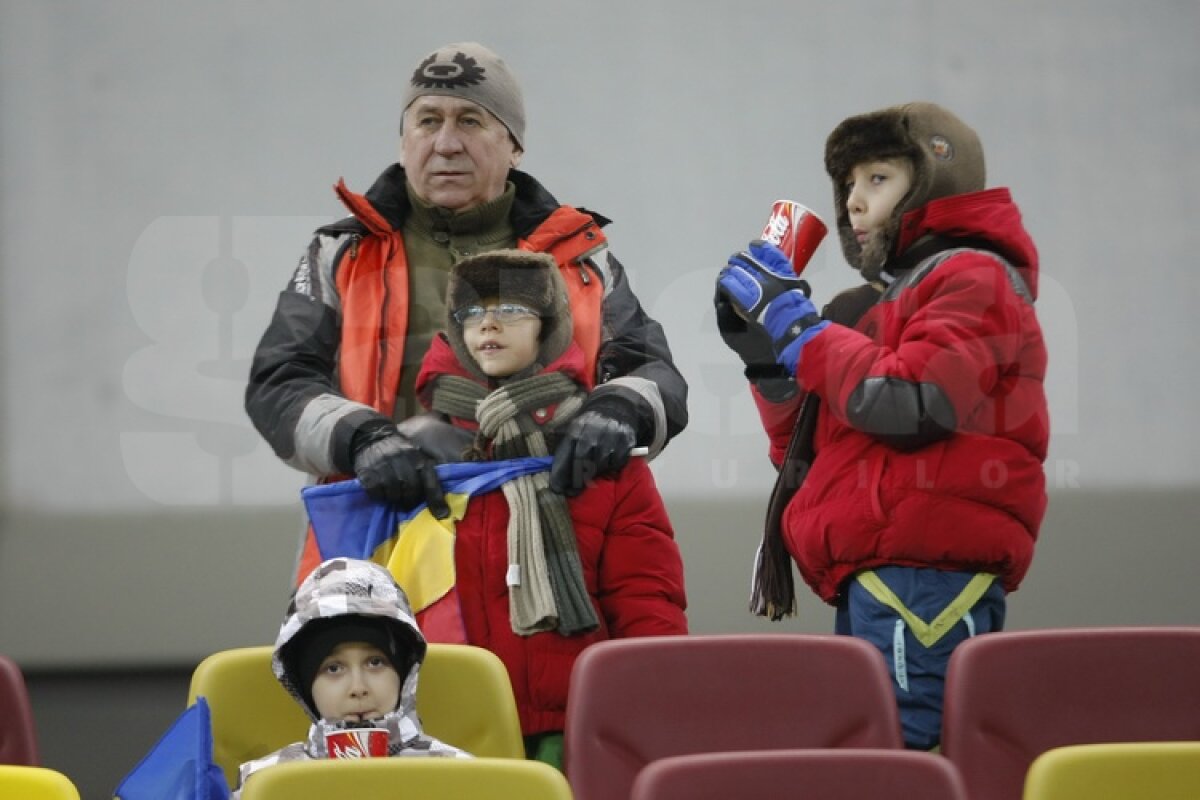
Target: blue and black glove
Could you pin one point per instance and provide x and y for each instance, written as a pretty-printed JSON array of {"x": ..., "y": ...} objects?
[
  {"x": 764, "y": 290},
  {"x": 753, "y": 345}
]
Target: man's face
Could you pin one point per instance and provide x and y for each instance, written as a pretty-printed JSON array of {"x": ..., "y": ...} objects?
[{"x": 455, "y": 153}]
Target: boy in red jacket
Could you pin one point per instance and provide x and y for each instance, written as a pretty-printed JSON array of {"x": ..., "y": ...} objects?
[
  {"x": 917, "y": 400},
  {"x": 540, "y": 576}
]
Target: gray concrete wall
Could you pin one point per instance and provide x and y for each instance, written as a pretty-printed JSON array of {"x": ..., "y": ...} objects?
[{"x": 164, "y": 162}]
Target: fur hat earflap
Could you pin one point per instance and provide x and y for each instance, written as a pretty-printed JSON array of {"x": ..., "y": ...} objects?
[
  {"x": 513, "y": 276},
  {"x": 946, "y": 155}
]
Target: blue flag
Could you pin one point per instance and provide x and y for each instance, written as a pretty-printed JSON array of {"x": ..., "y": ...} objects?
[{"x": 180, "y": 765}]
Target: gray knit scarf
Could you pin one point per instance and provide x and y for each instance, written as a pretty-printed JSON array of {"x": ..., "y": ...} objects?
[{"x": 545, "y": 579}]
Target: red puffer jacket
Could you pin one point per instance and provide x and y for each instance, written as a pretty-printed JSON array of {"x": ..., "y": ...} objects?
[
  {"x": 933, "y": 425},
  {"x": 631, "y": 565}
]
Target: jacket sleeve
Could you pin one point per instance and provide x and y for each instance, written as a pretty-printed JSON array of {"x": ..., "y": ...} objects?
[
  {"x": 292, "y": 396},
  {"x": 961, "y": 331},
  {"x": 635, "y": 361},
  {"x": 640, "y": 580},
  {"x": 778, "y": 421}
]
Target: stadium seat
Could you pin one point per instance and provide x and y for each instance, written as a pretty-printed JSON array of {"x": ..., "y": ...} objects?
[
  {"x": 464, "y": 698},
  {"x": 409, "y": 779},
  {"x": 634, "y": 701},
  {"x": 35, "y": 783},
  {"x": 18, "y": 734},
  {"x": 1012, "y": 696},
  {"x": 834, "y": 774},
  {"x": 1142, "y": 770}
]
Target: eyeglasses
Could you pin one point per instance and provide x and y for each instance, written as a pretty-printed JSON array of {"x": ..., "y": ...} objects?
[{"x": 504, "y": 313}]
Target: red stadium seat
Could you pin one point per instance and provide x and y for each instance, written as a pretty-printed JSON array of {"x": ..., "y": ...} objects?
[
  {"x": 633, "y": 701},
  {"x": 1013, "y": 696},
  {"x": 18, "y": 734},
  {"x": 845, "y": 774}
]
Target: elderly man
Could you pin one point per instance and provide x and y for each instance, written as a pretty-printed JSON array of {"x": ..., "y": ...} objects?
[{"x": 336, "y": 368}]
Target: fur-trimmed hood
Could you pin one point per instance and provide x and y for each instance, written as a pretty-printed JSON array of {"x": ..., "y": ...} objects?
[
  {"x": 946, "y": 155},
  {"x": 518, "y": 276}
]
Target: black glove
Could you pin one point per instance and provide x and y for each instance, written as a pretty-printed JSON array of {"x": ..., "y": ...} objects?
[
  {"x": 394, "y": 470},
  {"x": 753, "y": 345},
  {"x": 597, "y": 442}
]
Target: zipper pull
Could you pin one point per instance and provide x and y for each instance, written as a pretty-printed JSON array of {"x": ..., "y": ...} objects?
[
  {"x": 354, "y": 240},
  {"x": 583, "y": 273}
]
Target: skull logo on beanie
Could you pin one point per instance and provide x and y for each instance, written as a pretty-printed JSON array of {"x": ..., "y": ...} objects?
[
  {"x": 945, "y": 153},
  {"x": 470, "y": 71}
]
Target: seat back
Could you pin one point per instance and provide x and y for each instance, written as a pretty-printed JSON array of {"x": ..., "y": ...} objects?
[
  {"x": 844, "y": 774},
  {"x": 1012, "y": 696},
  {"x": 35, "y": 783},
  {"x": 633, "y": 701},
  {"x": 464, "y": 698},
  {"x": 252, "y": 714},
  {"x": 18, "y": 734},
  {"x": 409, "y": 779},
  {"x": 1145, "y": 770}
]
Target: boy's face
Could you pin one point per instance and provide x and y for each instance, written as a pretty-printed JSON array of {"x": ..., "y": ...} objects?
[
  {"x": 873, "y": 189},
  {"x": 504, "y": 340},
  {"x": 355, "y": 682}
]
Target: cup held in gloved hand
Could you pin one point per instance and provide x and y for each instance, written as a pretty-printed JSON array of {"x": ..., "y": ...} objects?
[{"x": 795, "y": 230}]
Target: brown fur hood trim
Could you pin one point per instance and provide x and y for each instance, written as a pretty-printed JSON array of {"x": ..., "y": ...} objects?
[{"x": 947, "y": 159}]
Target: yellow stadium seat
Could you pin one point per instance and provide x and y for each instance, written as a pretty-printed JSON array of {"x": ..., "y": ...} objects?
[
  {"x": 464, "y": 698},
  {"x": 1116, "y": 771},
  {"x": 409, "y": 779},
  {"x": 35, "y": 783}
]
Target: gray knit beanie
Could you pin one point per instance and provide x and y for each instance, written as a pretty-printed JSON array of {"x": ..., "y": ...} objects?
[
  {"x": 471, "y": 71},
  {"x": 946, "y": 155}
]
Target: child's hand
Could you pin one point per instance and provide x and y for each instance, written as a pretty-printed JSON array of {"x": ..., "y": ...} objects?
[
  {"x": 763, "y": 289},
  {"x": 752, "y": 278}
]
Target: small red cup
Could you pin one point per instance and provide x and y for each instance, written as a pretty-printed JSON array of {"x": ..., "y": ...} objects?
[
  {"x": 357, "y": 743},
  {"x": 795, "y": 230}
]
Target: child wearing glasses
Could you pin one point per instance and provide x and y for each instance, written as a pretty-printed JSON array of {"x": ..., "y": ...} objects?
[{"x": 540, "y": 576}]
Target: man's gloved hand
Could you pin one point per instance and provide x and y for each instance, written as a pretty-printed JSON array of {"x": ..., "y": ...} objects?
[
  {"x": 764, "y": 290},
  {"x": 394, "y": 470},
  {"x": 753, "y": 345},
  {"x": 598, "y": 441}
]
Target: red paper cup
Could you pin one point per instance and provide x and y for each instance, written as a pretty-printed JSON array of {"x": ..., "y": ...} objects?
[
  {"x": 795, "y": 230},
  {"x": 357, "y": 743}
]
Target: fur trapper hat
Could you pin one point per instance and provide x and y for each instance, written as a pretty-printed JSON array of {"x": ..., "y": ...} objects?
[
  {"x": 514, "y": 276},
  {"x": 946, "y": 155}
]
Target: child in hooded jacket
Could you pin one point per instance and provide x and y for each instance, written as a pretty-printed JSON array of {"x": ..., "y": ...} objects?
[
  {"x": 540, "y": 576},
  {"x": 912, "y": 410},
  {"x": 349, "y": 652}
]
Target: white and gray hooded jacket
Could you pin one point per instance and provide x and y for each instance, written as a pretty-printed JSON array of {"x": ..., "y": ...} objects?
[{"x": 349, "y": 586}]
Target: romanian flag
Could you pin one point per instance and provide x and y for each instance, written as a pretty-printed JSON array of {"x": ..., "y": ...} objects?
[{"x": 415, "y": 546}]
